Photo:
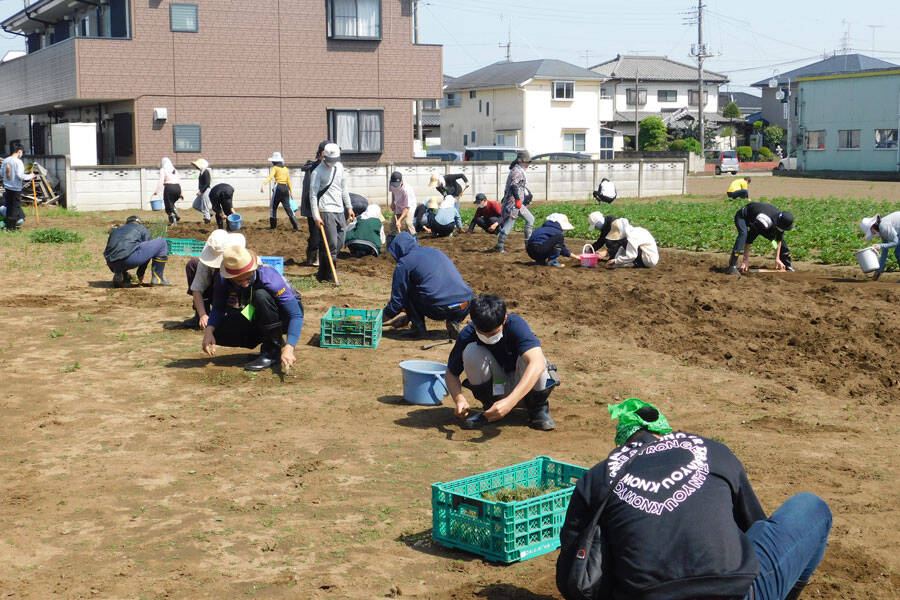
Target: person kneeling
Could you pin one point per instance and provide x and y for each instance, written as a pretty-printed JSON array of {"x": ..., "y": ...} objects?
[
  {"x": 201, "y": 272},
  {"x": 365, "y": 235},
  {"x": 445, "y": 220},
  {"x": 504, "y": 364},
  {"x": 487, "y": 216},
  {"x": 129, "y": 246},
  {"x": 739, "y": 188},
  {"x": 547, "y": 243},
  {"x": 253, "y": 305},
  {"x": 630, "y": 245}
]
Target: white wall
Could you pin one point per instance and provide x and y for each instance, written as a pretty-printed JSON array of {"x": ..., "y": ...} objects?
[
  {"x": 547, "y": 119},
  {"x": 130, "y": 188},
  {"x": 505, "y": 115},
  {"x": 653, "y": 103}
]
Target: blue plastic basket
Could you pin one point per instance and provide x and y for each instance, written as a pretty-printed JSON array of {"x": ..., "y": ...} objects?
[{"x": 276, "y": 262}]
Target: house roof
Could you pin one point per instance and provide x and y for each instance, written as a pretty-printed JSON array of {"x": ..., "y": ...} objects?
[
  {"x": 628, "y": 116},
  {"x": 510, "y": 74},
  {"x": 742, "y": 99},
  {"x": 652, "y": 68},
  {"x": 840, "y": 63}
]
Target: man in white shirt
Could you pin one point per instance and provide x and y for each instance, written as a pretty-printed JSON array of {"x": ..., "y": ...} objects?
[{"x": 13, "y": 177}]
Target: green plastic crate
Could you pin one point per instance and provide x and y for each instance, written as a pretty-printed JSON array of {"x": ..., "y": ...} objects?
[
  {"x": 184, "y": 247},
  {"x": 504, "y": 531},
  {"x": 351, "y": 328}
]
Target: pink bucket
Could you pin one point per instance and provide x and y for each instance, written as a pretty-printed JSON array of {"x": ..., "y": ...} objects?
[{"x": 588, "y": 259}]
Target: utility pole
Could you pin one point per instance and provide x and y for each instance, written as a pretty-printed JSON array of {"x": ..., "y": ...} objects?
[
  {"x": 637, "y": 95},
  {"x": 587, "y": 58},
  {"x": 508, "y": 44},
  {"x": 415, "y": 16},
  {"x": 700, "y": 51}
]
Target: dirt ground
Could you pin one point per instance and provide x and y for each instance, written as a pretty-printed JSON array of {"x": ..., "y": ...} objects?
[{"x": 136, "y": 467}]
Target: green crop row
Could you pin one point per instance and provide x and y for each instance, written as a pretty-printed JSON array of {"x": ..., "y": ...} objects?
[{"x": 825, "y": 230}]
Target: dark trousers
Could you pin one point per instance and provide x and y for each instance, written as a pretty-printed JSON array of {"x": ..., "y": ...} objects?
[
  {"x": 542, "y": 253},
  {"x": 484, "y": 222},
  {"x": 282, "y": 195},
  {"x": 417, "y": 310},
  {"x": 420, "y": 218},
  {"x": 335, "y": 230},
  {"x": 14, "y": 212},
  {"x": 747, "y": 234},
  {"x": 315, "y": 239},
  {"x": 190, "y": 270},
  {"x": 436, "y": 228},
  {"x": 141, "y": 257},
  {"x": 360, "y": 250},
  {"x": 738, "y": 194},
  {"x": 222, "y": 207},
  {"x": 268, "y": 324},
  {"x": 171, "y": 195}
]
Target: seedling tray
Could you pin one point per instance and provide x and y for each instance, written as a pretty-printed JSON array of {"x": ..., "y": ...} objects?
[{"x": 351, "y": 328}]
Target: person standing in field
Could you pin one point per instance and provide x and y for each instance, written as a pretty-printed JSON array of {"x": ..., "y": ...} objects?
[
  {"x": 315, "y": 236},
  {"x": 13, "y": 175},
  {"x": 516, "y": 199},
  {"x": 888, "y": 229},
  {"x": 169, "y": 185},
  {"x": 204, "y": 183},
  {"x": 403, "y": 207},
  {"x": 453, "y": 185},
  {"x": 330, "y": 201},
  {"x": 282, "y": 192}
]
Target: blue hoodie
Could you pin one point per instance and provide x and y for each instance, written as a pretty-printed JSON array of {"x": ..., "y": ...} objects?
[
  {"x": 425, "y": 275},
  {"x": 549, "y": 234}
]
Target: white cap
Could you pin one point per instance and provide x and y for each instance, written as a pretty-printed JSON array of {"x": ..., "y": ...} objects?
[
  {"x": 331, "y": 153},
  {"x": 373, "y": 211},
  {"x": 276, "y": 157},
  {"x": 866, "y": 226},
  {"x": 218, "y": 240},
  {"x": 562, "y": 219},
  {"x": 596, "y": 219}
]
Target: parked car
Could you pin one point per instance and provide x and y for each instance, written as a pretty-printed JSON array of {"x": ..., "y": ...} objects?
[
  {"x": 789, "y": 163},
  {"x": 492, "y": 153},
  {"x": 725, "y": 160},
  {"x": 445, "y": 155},
  {"x": 562, "y": 156}
]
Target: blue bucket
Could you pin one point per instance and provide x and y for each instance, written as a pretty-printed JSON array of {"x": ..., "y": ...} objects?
[
  {"x": 423, "y": 382},
  {"x": 156, "y": 205},
  {"x": 234, "y": 222}
]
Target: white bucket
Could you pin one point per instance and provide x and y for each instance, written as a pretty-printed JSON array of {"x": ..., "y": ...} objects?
[{"x": 868, "y": 259}]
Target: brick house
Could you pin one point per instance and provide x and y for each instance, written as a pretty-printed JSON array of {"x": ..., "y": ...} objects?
[{"x": 228, "y": 81}]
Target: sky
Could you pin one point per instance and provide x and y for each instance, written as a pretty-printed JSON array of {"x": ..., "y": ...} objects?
[{"x": 749, "y": 40}]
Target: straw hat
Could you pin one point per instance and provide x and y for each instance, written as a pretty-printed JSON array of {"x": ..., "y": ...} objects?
[
  {"x": 596, "y": 219},
  {"x": 436, "y": 180},
  {"x": 237, "y": 260},
  {"x": 617, "y": 231},
  {"x": 201, "y": 164},
  {"x": 434, "y": 202},
  {"x": 866, "y": 226},
  {"x": 215, "y": 246},
  {"x": 562, "y": 219},
  {"x": 276, "y": 158}
]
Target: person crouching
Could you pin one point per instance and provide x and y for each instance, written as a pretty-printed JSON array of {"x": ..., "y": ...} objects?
[
  {"x": 129, "y": 246},
  {"x": 547, "y": 243},
  {"x": 252, "y": 305},
  {"x": 633, "y": 246},
  {"x": 201, "y": 273},
  {"x": 365, "y": 235}
]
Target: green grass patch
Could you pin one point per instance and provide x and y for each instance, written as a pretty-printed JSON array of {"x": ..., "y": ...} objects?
[
  {"x": 59, "y": 211},
  {"x": 54, "y": 235},
  {"x": 305, "y": 283},
  {"x": 825, "y": 230}
]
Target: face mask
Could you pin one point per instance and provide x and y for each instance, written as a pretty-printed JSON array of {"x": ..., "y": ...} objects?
[
  {"x": 395, "y": 184},
  {"x": 490, "y": 341}
]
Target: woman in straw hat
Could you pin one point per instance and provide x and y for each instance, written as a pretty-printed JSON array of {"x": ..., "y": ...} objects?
[
  {"x": 636, "y": 246},
  {"x": 252, "y": 305}
]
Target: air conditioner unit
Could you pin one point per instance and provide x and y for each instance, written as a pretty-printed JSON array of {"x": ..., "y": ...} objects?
[{"x": 160, "y": 114}]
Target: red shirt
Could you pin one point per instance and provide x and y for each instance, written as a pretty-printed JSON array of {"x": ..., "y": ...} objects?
[{"x": 488, "y": 209}]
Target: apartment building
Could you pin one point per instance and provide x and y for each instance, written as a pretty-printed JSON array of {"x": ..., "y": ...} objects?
[{"x": 228, "y": 81}]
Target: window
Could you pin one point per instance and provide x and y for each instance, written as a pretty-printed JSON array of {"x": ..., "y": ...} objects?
[
  {"x": 479, "y": 106},
  {"x": 354, "y": 19},
  {"x": 487, "y": 109},
  {"x": 667, "y": 96},
  {"x": 452, "y": 99},
  {"x": 573, "y": 142},
  {"x": 119, "y": 21},
  {"x": 471, "y": 93},
  {"x": 183, "y": 17},
  {"x": 465, "y": 140},
  {"x": 641, "y": 96},
  {"x": 472, "y": 137},
  {"x": 606, "y": 145},
  {"x": 123, "y": 134},
  {"x": 692, "y": 98},
  {"x": 848, "y": 139},
  {"x": 815, "y": 140},
  {"x": 187, "y": 138},
  {"x": 507, "y": 139},
  {"x": 885, "y": 139},
  {"x": 357, "y": 131},
  {"x": 604, "y": 93},
  {"x": 563, "y": 90},
  {"x": 61, "y": 31}
]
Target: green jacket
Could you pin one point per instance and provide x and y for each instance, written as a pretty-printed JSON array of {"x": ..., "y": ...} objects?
[{"x": 367, "y": 232}]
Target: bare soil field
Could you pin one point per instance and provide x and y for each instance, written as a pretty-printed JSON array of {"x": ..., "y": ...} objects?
[{"x": 136, "y": 467}]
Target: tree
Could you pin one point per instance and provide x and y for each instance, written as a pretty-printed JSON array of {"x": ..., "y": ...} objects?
[
  {"x": 686, "y": 145},
  {"x": 732, "y": 112},
  {"x": 652, "y": 134},
  {"x": 773, "y": 135}
]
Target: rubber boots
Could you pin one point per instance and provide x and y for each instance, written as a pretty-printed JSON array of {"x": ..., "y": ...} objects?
[
  {"x": 118, "y": 280},
  {"x": 156, "y": 277},
  {"x": 529, "y": 229},
  {"x": 484, "y": 393},
  {"x": 273, "y": 222},
  {"x": 732, "y": 265},
  {"x": 501, "y": 243},
  {"x": 293, "y": 219},
  {"x": 220, "y": 221},
  {"x": 270, "y": 352},
  {"x": 539, "y": 410}
]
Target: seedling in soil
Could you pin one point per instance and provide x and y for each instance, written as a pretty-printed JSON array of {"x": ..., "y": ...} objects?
[
  {"x": 72, "y": 368},
  {"x": 55, "y": 334},
  {"x": 519, "y": 493}
]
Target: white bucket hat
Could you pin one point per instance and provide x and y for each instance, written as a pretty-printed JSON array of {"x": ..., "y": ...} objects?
[
  {"x": 866, "y": 226},
  {"x": 276, "y": 157},
  {"x": 215, "y": 246},
  {"x": 331, "y": 153},
  {"x": 562, "y": 219},
  {"x": 596, "y": 219}
]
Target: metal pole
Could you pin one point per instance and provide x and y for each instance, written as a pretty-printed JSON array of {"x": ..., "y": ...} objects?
[
  {"x": 637, "y": 94},
  {"x": 790, "y": 109},
  {"x": 700, "y": 56}
]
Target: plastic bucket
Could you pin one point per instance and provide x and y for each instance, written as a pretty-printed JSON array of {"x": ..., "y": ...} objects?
[
  {"x": 156, "y": 205},
  {"x": 234, "y": 222},
  {"x": 423, "y": 382},
  {"x": 588, "y": 259},
  {"x": 867, "y": 259}
]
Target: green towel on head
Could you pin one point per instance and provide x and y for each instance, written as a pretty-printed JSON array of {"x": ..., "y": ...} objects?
[{"x": 630, "y": 421}]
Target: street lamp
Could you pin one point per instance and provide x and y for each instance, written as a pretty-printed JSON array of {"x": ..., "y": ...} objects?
[{"x": 785, "y": 96}]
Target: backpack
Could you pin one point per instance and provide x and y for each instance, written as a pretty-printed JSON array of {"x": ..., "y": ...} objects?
[{"x": 585, "y": 575}]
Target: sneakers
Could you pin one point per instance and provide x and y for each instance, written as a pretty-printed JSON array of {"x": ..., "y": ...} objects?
[
  {"x": 791, "y": 269},
  {"x": 555, "y": 263},
  {"x": 453, "y": 329},
  {"x": 499, "y": 249},
  {"x": 732, "y": 271}
]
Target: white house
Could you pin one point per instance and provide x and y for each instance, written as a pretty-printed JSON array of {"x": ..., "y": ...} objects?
[
  {"x": 540, "y": 105},
  {"x": 644, "y": 86}
]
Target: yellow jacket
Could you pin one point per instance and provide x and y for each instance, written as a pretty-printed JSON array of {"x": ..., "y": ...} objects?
[
  {"x": 281, "y": 175},
  {"x": 737, "y": 184}
]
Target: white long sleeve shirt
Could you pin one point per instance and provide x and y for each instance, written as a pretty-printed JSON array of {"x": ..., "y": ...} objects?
[
  {"x": 336, "y": 198},
  {"x": 637, "y": 240},
  {"x": 14, "y": 173}
]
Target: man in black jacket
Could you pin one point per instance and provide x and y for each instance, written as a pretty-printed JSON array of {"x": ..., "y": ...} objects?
[
  {"x": 130, "y": 246},
  {"x": 682, "y": 522},
  {"x": 755, "y": 219},
  {"x": 315, "y": 236}
]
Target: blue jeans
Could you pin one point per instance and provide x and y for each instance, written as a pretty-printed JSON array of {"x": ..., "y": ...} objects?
[
  {"x": 789, "y": 545},
  {"x": 417, "y": 310},
  {"x": 882, "y": 260},
  {"x": 139, "y": 258}
]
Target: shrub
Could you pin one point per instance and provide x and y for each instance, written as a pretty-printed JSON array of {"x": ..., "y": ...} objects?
[
  {"x": 744, "y": 153},
  {"x": 758, "y": 126},
  {"x": 732, "y": 111},
  {"x": 765, "y": 153},
  {"x": 55, "y": 236},
  {"x": 652, "y": 134},
  {"x": 773, "y": 135}
]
